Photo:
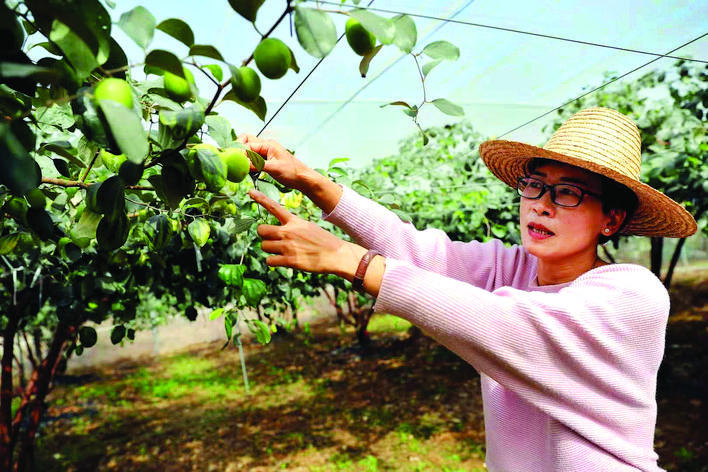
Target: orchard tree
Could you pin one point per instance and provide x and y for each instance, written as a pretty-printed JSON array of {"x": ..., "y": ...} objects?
[
  {"x": 671, "y": 108},
  {"x": 120, "y": 182}
]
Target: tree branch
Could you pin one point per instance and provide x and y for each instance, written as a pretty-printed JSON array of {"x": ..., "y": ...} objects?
[{"x": 88, "y": 169}]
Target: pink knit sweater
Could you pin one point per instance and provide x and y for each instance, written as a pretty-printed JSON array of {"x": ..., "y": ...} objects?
[{"x": 568, "y": 371}]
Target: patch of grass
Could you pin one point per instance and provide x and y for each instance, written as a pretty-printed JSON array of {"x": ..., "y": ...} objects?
[{"x": 387, "y": 324}]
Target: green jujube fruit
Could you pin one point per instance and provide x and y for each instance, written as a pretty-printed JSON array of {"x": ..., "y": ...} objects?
[
  {"x": 359, "y": 38},
  {"x": 272, "y": 57}
]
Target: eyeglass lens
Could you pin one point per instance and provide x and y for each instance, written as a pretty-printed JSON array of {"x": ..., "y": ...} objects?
[{"x": 561, "y": 194}]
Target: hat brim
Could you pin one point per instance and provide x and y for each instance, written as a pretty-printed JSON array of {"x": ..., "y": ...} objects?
[{"x": 656, "y": 215}]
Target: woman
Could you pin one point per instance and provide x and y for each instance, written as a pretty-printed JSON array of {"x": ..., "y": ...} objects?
[{"x": 568, "y": 346}]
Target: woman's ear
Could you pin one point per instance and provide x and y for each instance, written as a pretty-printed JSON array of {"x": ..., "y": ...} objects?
[{"x": 615, "y": 219}]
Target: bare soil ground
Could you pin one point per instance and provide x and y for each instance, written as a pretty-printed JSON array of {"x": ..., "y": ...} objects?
[{"x": 319, "y": 403}]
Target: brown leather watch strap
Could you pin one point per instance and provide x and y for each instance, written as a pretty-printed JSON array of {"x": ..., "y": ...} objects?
[{"x": 358, "y": 280}]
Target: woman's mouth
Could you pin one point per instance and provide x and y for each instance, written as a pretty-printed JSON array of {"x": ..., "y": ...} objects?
[{"x": 537, "y": 231}]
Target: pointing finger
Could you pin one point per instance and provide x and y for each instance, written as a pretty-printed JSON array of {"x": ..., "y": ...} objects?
[{"x": 273, "y": 207}]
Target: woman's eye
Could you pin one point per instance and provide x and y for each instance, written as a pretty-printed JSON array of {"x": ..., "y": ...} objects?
[
  {"x": 534, "y": 184},
  {"x": 569, "y": 191}
]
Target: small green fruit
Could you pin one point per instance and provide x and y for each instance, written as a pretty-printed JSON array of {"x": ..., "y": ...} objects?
[
  {"x": 359, "y": 38},
  {"x": 114, "y": 89},
  {"x": 272, "y": 58},
  {"x": 237, "y": 164},
  {"x": 179, "y": 88},
  {"x": 112, "y": 161},
  {"x": 246, "y": 84},
  {"x": 36, "y": 198}
]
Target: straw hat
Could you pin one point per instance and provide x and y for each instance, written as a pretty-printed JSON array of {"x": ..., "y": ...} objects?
[{"x": 606, "y": 142}]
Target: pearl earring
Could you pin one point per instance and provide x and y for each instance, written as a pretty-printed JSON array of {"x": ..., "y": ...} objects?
[{"x": 607, "y": 230}]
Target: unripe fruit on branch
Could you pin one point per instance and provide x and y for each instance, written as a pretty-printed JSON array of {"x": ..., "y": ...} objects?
[
  {"x": 179, "y": 88},
  {"x": 359, "y": 38},
  {"x": 246, "y": 84},
  {"x": 272, "y": 57},
  {"x": 237, "y": 163},
  {"x": 114, "y": 89}
]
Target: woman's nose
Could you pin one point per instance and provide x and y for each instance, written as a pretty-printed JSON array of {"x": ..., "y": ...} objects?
[{"x": 544, "y": 205}]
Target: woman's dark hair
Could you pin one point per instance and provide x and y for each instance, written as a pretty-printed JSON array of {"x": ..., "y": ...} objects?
[{"x": 615, "y": 196}]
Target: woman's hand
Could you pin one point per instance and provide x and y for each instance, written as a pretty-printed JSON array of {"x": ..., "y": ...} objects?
[
  {"x": 279, "y": 163},
  {"x": 303, "y": 245},
  {"x": 293, "y": 173}
]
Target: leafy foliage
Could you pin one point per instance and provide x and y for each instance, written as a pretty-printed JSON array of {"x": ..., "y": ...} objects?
[{"x": 114, "y": 196}]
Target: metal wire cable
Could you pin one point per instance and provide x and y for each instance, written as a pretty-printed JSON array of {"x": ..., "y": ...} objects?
[
  {"x": 361, "y": 89},
  {"x": 302, "y": 81},
  {"x": 604, "y": 85},
  {"x": 513, "y": 30}
]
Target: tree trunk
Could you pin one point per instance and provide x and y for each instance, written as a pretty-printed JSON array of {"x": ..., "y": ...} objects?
[
  {"x": 657, "y": 248},
  {"x": 34, "y": 398},
  {"x": 6, "y": 436},
  {"x": 674, "y": 261}
]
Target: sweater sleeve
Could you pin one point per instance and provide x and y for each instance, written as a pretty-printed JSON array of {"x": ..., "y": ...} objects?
[
  {"x": 586, "y": 355},
  {"x": 375, "y": 227}
]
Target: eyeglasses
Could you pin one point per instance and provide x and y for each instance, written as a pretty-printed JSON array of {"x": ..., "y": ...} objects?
[{"x": 565, "y": 195}]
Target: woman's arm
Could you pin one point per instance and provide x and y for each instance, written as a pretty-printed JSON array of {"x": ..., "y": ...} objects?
[{"x": 373, "y": 226}]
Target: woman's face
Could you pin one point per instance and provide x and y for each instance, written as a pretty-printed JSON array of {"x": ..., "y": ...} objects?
[{"x": 556, "y": 233}]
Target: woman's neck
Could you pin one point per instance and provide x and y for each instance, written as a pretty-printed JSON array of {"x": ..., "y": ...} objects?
[{"x": 552, "y": 272}]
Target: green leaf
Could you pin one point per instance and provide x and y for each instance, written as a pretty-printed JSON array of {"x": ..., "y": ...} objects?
[
  {"x": 110, "y": 196},
  {"x": 216, "y": 313},
  {"x": 117, "y": 334},
  {"x": 112, "y": 231},
  {"x": 206, "y": 50},
  {"x": 199, "y": 230},
  {"x": 158, "y": 232},
  {"x": 220, "y": 130},
  {"x": 260, "y": 330},
  {"x": 232, "y": 274},
  {"x": 212, "y": 167},
  {"x": 246, "y": 8},
  {"x": 381, "y": 27},
  {"x": 127, "y": 129},
  {"x": 15, "y": 69},
  {"x": 139, "y": 25},
  {"x": 253, "y": 290},
  {"x": 399, "y": 103},
  {"x": 164, "y": 60},
  {"x": 256, "y": 159},
  {"x": 442, "y": 50},
  {"x": 428, "y": 66},
  {"x": 366, "y": 60},
  {"x": 18, "y": 171},
  {"x": 242, "y": 224},
  {"x": 269, "y": 190},
  {"x": 258, "y": 106},
  {"x": 63, "y": 149},
  {"x": 183, "y": 123},
  {"x": 447, "y": 107},
  {"x": 75, "y": 49},
  {"x": 178, "y": 29},
  {"x": 315, "y": 31},
  {"x": 176, "y": 183},
  {"x": 88, "y": 336},
  {"x": 85, "y": 230},
  {"x": 8, "y": 243},
  {"x": 215, "y": 70},
  {"x": 406, "y": 33}
]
